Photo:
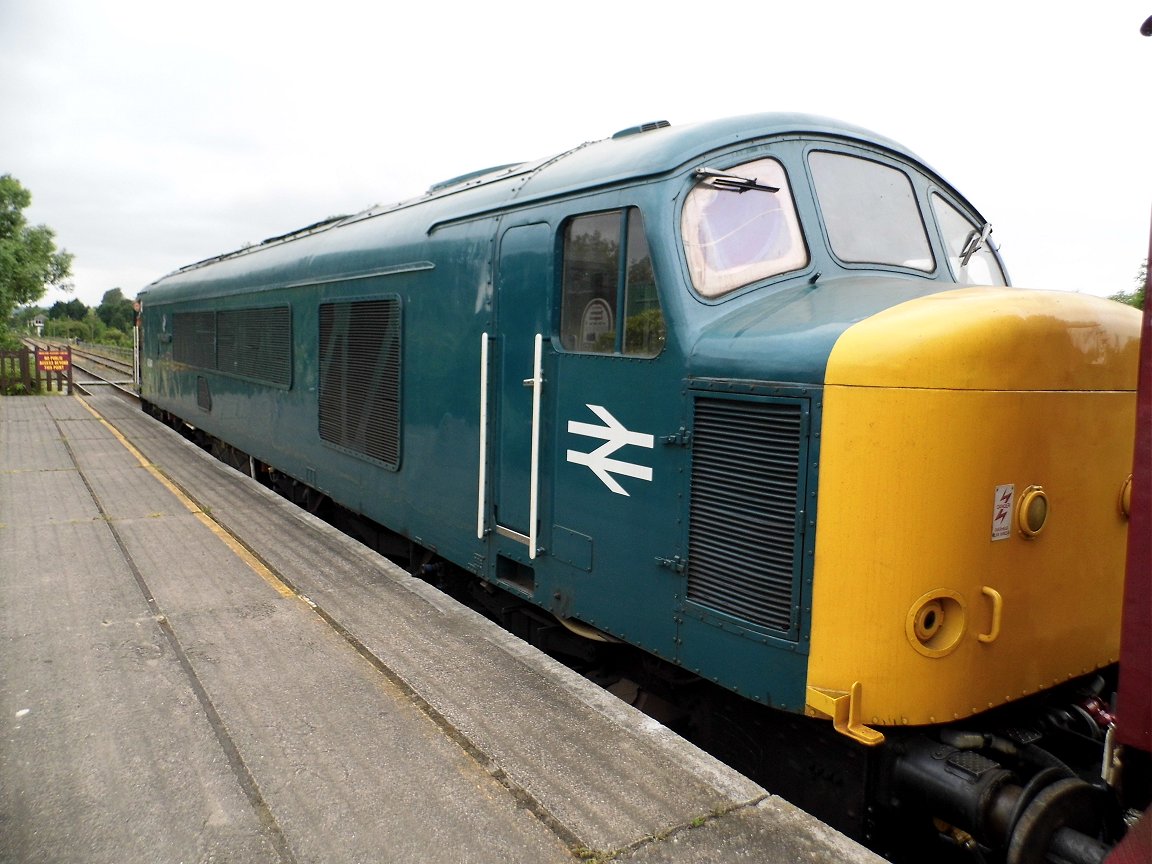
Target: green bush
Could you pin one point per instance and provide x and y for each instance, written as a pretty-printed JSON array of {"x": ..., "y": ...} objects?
[{"x": 17, "y": 388}]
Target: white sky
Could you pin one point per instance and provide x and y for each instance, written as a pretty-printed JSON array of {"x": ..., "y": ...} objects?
[{"x": 155, "y": 134}]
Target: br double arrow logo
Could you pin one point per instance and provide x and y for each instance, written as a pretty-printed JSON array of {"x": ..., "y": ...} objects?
[{"x": 615, "y": 436}]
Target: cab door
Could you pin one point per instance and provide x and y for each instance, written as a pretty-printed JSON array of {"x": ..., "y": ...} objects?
[
  {"x": 615, "y": 520},
  {"x": 586, "y": 437},
  {"x": 518, "y": 352}
]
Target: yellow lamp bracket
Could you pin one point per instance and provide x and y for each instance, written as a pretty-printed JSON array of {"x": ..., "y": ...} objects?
[{"x": 844, "y": 709}]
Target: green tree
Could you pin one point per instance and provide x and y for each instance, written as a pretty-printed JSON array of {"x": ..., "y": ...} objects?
[
  {"x": 115, "y": 310},
  {"x": 29, "y": 260},
  {"x": 73, "y": 309},
  {"x": 69, "y": 328},
  {"x": 22, "y": 318},
  {"x": 1136, "y": 296}
]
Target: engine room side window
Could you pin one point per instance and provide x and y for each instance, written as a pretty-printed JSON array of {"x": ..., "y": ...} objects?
[
  {"x": 740, "y": 226},
  {"x": 962, "y": 238},
  {"x": 870, "y": 212},
  {"x": 599, "y": 284}
]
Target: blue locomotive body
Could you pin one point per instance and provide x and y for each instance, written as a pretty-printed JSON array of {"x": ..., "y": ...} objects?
[
  {"x": 601, "y": 382},
  {"x": 475, "y": 270}
]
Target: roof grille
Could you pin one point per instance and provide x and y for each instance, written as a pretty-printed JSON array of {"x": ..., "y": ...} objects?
[{"x": 643, "y": 127}]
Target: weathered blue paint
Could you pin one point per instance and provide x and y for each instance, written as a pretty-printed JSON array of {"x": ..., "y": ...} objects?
[{"x": 482, "y": 256}]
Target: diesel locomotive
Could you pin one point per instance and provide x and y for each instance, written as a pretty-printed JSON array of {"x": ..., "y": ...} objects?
[{"x": 751, "y": 397}]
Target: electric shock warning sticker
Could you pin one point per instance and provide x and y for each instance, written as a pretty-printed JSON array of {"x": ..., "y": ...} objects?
[{"x": 1002, "y": 511}]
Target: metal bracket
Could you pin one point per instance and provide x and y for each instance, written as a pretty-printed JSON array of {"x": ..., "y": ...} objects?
[
  {"x": 844, "y": 709},
  {"x": 682, "y": 438},
  {"x": 675, "y": 563}
]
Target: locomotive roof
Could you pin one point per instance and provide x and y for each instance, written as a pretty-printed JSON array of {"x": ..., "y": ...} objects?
[
  {"x": 648, "y": 150},
  {"x": 645, "y": 150}
]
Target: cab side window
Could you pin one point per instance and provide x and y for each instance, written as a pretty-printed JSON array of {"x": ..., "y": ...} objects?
[{"x": 610, "y": 304}]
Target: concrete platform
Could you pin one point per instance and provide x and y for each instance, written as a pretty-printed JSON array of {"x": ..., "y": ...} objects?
[{"x": 194, "y": 670}]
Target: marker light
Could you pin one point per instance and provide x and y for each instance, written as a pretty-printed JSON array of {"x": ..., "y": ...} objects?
[{"x": 1033, "y": 512}]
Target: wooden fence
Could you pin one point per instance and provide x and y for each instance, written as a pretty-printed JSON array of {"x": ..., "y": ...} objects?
[{"x": 29, "y": 372}]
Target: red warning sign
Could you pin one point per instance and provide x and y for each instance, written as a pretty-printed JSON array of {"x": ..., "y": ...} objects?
[{"x": 53, "y": 361}]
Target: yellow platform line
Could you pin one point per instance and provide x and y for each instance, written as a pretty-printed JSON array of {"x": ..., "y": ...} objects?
[{"x": 241, "y": 551}]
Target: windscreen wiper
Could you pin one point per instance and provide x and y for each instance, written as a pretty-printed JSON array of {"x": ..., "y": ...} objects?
[
  {"x": 733, "y": 181},
  {"x": 974, "y": 243}
]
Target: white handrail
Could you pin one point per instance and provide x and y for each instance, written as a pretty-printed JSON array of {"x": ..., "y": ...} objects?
[
  {"x": 537, "y": 383},
  {"x": 483, "y": 479}
]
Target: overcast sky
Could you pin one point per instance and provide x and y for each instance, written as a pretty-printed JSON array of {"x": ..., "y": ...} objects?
[{"x": 155, "y": 134}]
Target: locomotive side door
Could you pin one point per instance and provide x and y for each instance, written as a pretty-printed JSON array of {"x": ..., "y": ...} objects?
[
  {"x": 519, "y": 351},
  {"x": 585, "y": 489},
  {"x": 615, "y": 396}
]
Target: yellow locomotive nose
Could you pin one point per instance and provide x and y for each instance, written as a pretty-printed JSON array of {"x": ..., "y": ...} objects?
[{"x": 969, "y": 545}]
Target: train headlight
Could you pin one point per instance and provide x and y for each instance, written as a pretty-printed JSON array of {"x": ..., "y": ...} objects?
[
  {"x": 1033, "y": 511},
  {"x": 1126, "y": 498}
]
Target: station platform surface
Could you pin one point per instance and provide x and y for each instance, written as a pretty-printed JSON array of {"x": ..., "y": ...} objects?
[{"x": 194, "y": 670}]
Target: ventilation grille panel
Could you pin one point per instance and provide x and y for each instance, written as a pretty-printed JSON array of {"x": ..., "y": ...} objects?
[
  {"x": 746, "y": 519},
  {"x": 252, "y": 343},
  {"x": 194, "y": 339},
  {"x": 203, "y": 394},
  {"x": 256, "y": 344},
  {"x": 360, "y": 377}
]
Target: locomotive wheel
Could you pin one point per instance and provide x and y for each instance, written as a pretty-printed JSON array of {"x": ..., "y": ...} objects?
[{"x": 1069, "y": 803}]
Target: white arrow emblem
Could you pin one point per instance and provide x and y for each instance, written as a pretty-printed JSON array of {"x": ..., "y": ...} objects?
[{"x": 615, "y": 436}]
